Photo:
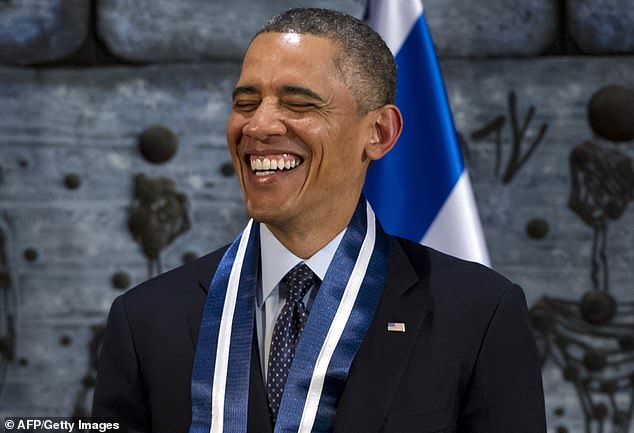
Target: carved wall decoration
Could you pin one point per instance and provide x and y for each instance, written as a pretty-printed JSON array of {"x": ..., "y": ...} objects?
[
  {"x": 518, "y": 156},
  {"x": 602, "y": 187},
  {"x": 189, "y": 256},
  {"x": 72, "y": 181},
  {"x": 31, "y": 254},
  {"x": 8, "y": 309},
  {"x": 227, "y": 169},
  {"x": 121, "y": 280},
  {"x": 158, "y": 144},
  {"x": 592, "y": 339},
  {"x": 83, "y": 403},
  {"x": 537, "y": 228},
  {"x": 610, "y": 113},
  {"x": 157, "y": 216}
]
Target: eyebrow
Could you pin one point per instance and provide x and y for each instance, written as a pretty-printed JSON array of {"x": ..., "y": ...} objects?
[
  {"x": 243, "y": 90},
  {"x": 293, "y": 90}
]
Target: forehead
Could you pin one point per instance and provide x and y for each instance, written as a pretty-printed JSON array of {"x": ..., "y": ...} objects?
[{"x": 290, "y": 56}]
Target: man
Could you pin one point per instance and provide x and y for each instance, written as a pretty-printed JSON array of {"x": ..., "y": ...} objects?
[{"x": 353, "y": 330}]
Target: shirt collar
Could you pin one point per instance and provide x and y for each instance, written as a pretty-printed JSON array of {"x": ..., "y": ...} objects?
[{"x": 277, "y": 260}]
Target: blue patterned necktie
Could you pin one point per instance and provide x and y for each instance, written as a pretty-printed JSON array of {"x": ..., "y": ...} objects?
[{"x": 288, "y": 328}]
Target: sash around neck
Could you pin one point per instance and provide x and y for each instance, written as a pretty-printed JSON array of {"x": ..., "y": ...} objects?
[{"x": 341, "y": 314}]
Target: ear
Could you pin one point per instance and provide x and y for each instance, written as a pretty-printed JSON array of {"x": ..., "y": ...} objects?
[{"x": 386, "y": 128}]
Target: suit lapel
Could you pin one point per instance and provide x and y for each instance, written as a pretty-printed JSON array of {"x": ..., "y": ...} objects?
[
  {"x": 195, "y": 317},
  {"x": 378, "y": 367}
]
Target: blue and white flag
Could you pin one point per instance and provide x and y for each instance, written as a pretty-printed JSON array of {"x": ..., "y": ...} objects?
[{"x": 421, "y": 190}]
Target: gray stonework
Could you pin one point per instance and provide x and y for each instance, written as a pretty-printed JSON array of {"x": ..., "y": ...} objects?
[
  {"x": 157, "y": 31},
  {"x": 559, "y": 89},
  {"x": 601, "y": 27},
  {"x": 41, "y": 31},
  {"x": 492, "y": 28},
  {"x": 193, "y": 30},
  {"x": 87, "y": 122}
]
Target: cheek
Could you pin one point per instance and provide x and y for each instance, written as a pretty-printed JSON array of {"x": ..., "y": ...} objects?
[
  {"x": 234, "y": 156},
  {"x": 308, "y": 129},
  {"x": 352, "y": 150},
  {"x": 234, "y": 128}
]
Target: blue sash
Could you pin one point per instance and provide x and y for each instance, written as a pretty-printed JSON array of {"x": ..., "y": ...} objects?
[{"x": 337, "y": 324}]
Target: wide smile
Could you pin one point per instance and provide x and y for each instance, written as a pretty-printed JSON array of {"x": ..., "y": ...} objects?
[{"x": 267, "y": 165}]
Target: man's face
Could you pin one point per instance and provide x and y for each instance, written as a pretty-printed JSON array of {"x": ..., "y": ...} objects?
[{"x": 292, "y": 109}]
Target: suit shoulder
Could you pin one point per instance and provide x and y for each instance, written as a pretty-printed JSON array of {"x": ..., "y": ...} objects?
[{"x": 452, "y": 277}]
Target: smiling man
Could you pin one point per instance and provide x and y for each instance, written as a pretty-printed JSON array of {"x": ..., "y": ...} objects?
[
  {"x": 300, "y": 139},
  {"x": 314, "y": 319}
]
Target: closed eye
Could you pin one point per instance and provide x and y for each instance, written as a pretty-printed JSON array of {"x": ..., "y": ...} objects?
[
  {"x": 300, "y": 106},
  {"x": 245, "y": 106}
]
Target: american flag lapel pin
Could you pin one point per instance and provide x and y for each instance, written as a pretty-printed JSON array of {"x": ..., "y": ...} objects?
[{"x": 396, "y": 327}]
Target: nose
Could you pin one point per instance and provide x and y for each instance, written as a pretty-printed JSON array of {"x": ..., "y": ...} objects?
[{"x": 266, "y": 121}]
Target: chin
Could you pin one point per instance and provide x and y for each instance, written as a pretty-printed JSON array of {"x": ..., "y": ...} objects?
[{"x": 262, "y": 213}]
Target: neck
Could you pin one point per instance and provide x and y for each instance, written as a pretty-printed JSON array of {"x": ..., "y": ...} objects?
[{"x": 305, "y": 239}]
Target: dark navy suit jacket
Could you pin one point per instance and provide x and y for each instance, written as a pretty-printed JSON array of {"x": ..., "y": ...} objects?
[{"x": 466, "y": 363}]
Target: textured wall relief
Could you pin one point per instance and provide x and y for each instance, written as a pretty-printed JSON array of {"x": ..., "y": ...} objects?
[
  {"x": 518, "y": 155},
  {"x": 157, "y": 216},
  {"x": 83, "y": 403},
  {"x": 157, "y": 144},
  {"x": 592, "y": 339},
  {"x": 7, "y": 310}
]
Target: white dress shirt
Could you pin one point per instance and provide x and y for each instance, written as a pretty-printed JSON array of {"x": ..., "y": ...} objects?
[{"x": 276, "y": 261}]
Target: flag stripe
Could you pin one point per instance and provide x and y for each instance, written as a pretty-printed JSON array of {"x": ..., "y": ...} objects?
[
  {"x": 420, "y": 190},
  {"x": 393, "y": 20},
  {"x": 457, "y": 227},
  {"x": 426, "y": 150}
]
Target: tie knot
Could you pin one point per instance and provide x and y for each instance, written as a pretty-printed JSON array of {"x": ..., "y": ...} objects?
[{"x": 298, "y": 280}]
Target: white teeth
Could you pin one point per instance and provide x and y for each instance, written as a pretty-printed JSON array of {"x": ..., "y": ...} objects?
[{"x": 265, "y": 166}]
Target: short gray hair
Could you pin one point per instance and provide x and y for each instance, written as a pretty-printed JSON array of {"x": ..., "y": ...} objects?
[{"x": 366, "y": 63}]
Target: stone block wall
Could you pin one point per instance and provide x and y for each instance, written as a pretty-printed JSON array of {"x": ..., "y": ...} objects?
[{"x": 542, "y": 96}]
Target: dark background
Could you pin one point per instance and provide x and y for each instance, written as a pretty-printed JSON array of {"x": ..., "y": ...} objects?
[{"x": 94, "y": 93}]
